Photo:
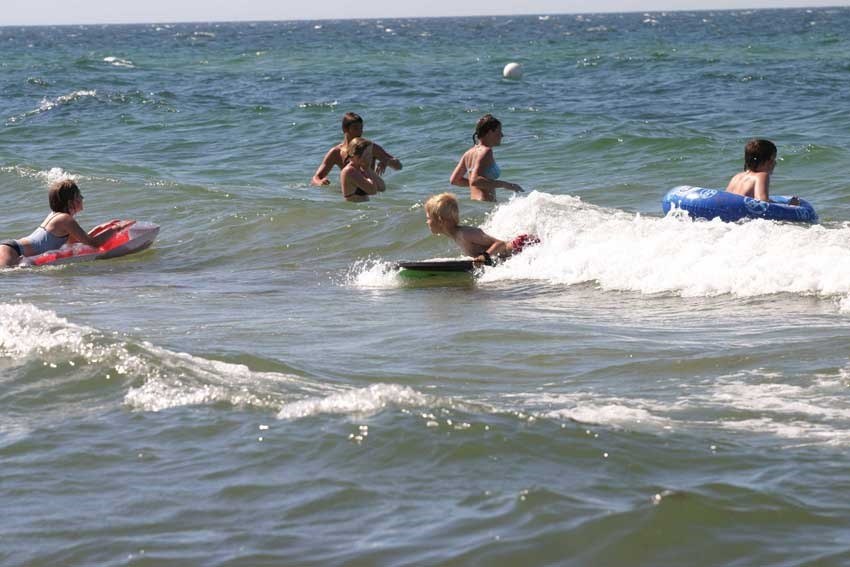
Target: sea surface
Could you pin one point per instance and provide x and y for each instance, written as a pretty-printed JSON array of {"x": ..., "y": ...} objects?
[{"x": 262, "y": 388}]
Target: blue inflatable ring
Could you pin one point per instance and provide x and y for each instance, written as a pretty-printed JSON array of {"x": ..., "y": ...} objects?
[{"x": 704, "y": 203}]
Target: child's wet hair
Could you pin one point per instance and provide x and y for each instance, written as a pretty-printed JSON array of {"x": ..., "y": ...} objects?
[
  {"x": 444, "y": 208},
  {"x": 485, "y": 124},
  {"x": 60, "y": 195},
  {"x": 758, "y": 151},
  {"x": 358, "y": 146}
]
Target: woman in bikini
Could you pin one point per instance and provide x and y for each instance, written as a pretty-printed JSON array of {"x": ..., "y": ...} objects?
[
  {"x": 477, "y": 169},
  {"x": 357, "y": 178},
  {"x": 57, "y": 229}
]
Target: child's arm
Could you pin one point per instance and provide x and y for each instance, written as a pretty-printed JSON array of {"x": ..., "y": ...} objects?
[
  {"x": 379, "y": 182},
  {"x": 760, "y": 188},
  {"x": 77, "y": 234},
  {"x": 370, "y": 175},
  {"x": 351, "y": 179},
  {"x": 499, "y": 249},
  {"x": 493, "y": 247},
  {"x": 384, "y": 160}
]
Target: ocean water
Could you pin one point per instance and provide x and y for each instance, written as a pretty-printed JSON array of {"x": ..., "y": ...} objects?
[{"x": 260, "y": 387}]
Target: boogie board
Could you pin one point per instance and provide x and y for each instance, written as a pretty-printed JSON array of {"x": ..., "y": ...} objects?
[
  {"x": 433, "y": 268},
  {"x": 134, "y": 237}
]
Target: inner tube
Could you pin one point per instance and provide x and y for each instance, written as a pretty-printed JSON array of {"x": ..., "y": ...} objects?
[{"x": 708, "y": 204}]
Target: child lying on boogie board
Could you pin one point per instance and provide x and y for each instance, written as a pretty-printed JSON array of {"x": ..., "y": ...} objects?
[
  {"x": 443, "y": 217},
  {"x": 59, "y": 228}
]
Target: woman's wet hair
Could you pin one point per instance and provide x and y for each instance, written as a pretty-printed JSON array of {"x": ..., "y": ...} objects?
[
  {"x": 485, "y": 124},
  {"x": 60, "y": 195},
  {"x": 758, "y": 151}
]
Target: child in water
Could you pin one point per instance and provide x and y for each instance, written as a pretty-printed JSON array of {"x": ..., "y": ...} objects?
[
  {"x": 58, "y": 228},
  {"x": 358, "y": 179},
  {"x": 754, "y": 181},
  {"x": 443, "y": 217},
  {"x": 352, "y": 127}
]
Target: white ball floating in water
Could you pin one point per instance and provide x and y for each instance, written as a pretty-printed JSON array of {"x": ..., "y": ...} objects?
[{"x": 512, "y": 71}]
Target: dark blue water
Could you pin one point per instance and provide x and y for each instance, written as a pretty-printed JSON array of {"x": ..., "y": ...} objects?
[{"x": 261, "y": 388}]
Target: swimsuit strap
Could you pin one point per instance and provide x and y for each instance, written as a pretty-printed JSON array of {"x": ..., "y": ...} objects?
[{"x": 53, "y": 214}]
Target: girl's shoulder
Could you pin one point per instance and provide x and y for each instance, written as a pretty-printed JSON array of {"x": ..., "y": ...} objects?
[
  {"x": 475, "y": 154},
  {"x": 472, "y": 152},
  {"x": 55, "y": 218},
  {"x": 62, "y": 222}
]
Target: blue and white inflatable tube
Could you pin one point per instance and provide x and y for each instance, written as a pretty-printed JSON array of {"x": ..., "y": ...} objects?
[{"x": 708, "y": 204}]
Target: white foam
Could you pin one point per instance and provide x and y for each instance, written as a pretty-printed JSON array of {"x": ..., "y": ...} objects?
[
  {"x": 372, "y": 273},
  {"x": 26, "y": 330},
  {"x": 615, "y": 414},
  {"x": 49, "y": 176},
  {"x": 593, "y": 408},
  {"x": 48, "y": 104},
  {"x": 157, "y": 378},
  {"x": 118, "y": 62},
  {"x": 812, "y": 410},
  {"x": 359, "y": 401},
  {"x": 819, "y": 399},
  {"x": 160, "y": 394},
  {"x": 180, "y": 379},
  {"x": 625, "y": 251},
  {"x": 56, "y": 174},
  {"x": 803, "y": 432}
]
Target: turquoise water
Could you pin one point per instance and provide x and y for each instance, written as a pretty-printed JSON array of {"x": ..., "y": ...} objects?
[{"x": 260, "y": 388}]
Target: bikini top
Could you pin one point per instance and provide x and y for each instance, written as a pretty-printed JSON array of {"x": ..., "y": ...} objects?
[
  {"x": 359, "y": 192},
  {"x": 41, "y": 240},
  {"x": 492, "y": 171}
]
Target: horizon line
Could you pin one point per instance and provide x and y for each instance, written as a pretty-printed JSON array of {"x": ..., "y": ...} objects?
[{"x": 330, "y": 19}]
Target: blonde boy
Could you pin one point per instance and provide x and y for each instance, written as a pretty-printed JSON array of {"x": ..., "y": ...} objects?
[{"x": 443, "y": 217}]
